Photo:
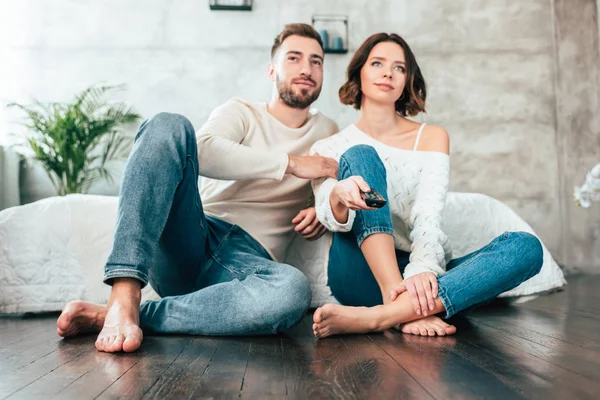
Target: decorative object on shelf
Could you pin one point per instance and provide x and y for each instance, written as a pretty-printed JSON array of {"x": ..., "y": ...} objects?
[
  {"x": 590, "y": 191},
  {"x": 334, "y": 27},
  {"x": 325, "y": 38},
  {"x": 231, "y": 5},
  {"x": 338, "y": 43},
  {"x": 74, "y": 141}
]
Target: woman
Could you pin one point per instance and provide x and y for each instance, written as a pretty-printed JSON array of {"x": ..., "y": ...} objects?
[{"x": 393, "y": 265}]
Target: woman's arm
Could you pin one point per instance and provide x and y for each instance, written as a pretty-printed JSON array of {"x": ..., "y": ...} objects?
[
  {"x": 335, "y": 218},
  {"x": 428, "y": 239}
]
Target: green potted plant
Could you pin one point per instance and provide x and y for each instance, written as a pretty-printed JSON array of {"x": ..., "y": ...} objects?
[{"x": 75, "y": 141}]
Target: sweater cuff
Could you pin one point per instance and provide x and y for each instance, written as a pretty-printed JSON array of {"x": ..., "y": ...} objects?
[
  {"x": 284, "y": 161},
  {"x": 413, "y": 269},
  {"x": 325, "y": 213}
]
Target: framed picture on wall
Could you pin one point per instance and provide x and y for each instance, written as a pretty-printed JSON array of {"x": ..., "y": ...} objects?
[{"x": 231, "y": 5}]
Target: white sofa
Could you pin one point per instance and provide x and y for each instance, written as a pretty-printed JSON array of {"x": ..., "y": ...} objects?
[{"x": 53, "y": 251}]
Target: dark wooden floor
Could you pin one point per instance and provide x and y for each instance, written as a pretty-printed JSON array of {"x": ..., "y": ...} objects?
[{"x": 547, "y": 348}]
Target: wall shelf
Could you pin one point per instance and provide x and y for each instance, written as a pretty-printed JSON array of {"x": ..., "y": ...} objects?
[
  {"x": 231, "y": 5},
  {"x": 334, "y": 32},
  {"x": 336, "y": 51}
]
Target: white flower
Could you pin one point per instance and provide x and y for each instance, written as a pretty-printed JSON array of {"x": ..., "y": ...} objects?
[{"x": 590, "y": 191}]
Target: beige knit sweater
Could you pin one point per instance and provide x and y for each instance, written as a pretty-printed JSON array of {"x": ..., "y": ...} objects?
[{"x": 243, "y": 155}]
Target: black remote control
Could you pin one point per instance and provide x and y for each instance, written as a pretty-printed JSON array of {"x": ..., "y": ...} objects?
[{"x": 373, "y": 198}]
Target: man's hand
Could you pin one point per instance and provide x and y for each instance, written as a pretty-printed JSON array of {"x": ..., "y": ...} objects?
[
  {"x": 308, "y": 225},
  {"x": 312, "y": 167},
  {"x": 423, "y": 288}
]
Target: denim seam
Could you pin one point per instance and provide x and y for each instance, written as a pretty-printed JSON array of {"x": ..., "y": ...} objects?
[
  {"x": 204, "y": 269},
  {"x": 345, "y": 167},
  {"x": 446, "y": 302},
  {"x": 190, "y": 161},
  {"x": 122, "y": 265},
  {"x": 370, "y": 231},
  {"x": 239, "y": 271},
  {"x": 451, "y": 311},
  {"x": 221, "y": 263},
  {"x": 227, "y": 235},
  {"x": 365, "y": 232},
  {"x": 120, "y": 272}
]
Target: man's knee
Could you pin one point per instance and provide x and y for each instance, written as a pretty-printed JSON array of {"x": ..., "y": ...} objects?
[
  {"x": 293, "y": 297},
  {"x": 167, "y": 126}
]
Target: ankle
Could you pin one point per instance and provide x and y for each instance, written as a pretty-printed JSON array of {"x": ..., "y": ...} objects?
[
  {"x": 126, "y": 290},
  {"x": 386, "y": 292},
  {"x": 377, "y": 322}
]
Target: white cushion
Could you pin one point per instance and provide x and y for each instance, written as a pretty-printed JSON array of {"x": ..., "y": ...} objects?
[{"x": 53, "y": 251}]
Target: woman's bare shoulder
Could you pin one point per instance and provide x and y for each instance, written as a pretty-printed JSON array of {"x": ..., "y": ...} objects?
[{"x": 434, "y": 138}]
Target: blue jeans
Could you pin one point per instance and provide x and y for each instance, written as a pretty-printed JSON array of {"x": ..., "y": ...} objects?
[
  {"x": 472, "y": 280},
  {"x": 213, "y": 277}
]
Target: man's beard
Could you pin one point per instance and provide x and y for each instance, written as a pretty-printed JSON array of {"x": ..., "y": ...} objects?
[{"x": 286, "y": 93}]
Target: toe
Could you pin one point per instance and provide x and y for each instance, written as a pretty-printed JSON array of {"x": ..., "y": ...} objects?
[
  {"x": 423, "y": 331},
  {"x": 450, "y": 330},
  {"x": 131, "y": 344},
  {"x": 117, "y": 343},
  {"x": 62, "y": 322},
  {"x": 133, "y": 338},
  {"x": 109, "y": 343},
  {"x": 430, "y": 331},
  {"x": 439, "y": 330},
  {"x": 317, "y": 317},
  {"x": 414, "y": 331}
]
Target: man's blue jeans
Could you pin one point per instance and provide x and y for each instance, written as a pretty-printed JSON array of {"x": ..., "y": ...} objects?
[
  {"x": 474, "y": 279},
  {"x": 213, "y": 277}
]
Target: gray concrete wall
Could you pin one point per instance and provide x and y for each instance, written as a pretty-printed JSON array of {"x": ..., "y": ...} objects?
[
  {"x": 493, "y": 69},
  {"x": 578, "y": 124}
]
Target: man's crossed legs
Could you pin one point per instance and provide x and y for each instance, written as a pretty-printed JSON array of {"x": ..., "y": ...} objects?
[{"x": 213, "y": 277}]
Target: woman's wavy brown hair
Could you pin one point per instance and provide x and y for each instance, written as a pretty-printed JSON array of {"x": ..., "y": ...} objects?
[{"x": 412, "y": 100}]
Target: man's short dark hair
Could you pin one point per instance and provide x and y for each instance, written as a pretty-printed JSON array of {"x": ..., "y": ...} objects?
[{"x": 303, "y": 30}]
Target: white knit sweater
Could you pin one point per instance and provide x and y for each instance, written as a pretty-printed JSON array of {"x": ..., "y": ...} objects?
[{"x": 417, "y": 182}]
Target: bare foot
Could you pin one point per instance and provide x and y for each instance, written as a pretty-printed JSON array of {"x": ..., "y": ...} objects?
[
  {"x": 429, "y": 326},
  {"x": 121, "y": 331},
  {"x": 334, "y": 319},
  {"x": 80, "y": 317}
]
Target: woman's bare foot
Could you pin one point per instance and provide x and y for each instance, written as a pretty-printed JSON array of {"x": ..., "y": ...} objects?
[
  {"x": 80, "y": 317},
  {"x": 429, "y": 326},
  {"x": 334, "y": 319}
]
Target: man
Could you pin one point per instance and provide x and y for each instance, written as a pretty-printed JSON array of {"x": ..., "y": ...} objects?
[{"x": 215, "y": 256}]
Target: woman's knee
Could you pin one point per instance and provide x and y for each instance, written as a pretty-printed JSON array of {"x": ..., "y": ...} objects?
[
  {"x": 529, "y": 252},
  {"x": 359, "y": 156},
  {"x": 360, "y": 151}
]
